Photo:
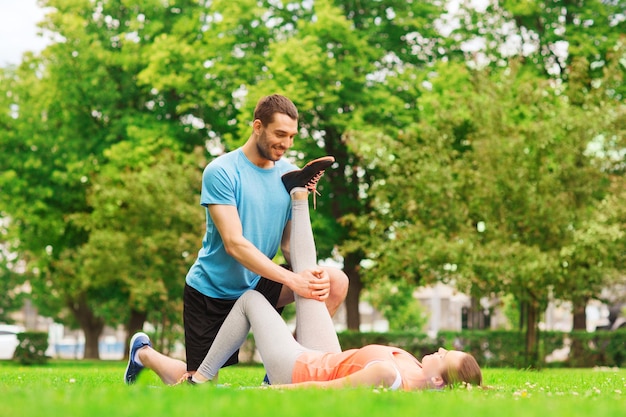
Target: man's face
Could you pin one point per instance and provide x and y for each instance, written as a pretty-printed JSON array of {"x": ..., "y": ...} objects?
[{"x": 275, "y": 138}]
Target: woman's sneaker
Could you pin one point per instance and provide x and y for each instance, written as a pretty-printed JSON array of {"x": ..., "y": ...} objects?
[{"x": 308, "y": 176}]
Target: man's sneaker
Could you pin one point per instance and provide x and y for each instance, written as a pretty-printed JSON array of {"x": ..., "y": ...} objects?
[
  {"x": 266, "y": 380},
  {"x": 308, "y": 176},
  {"x": 133, "y": 369}
]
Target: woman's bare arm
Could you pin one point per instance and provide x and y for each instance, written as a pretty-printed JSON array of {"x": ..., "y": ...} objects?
[{"x": 376, "y": 375}]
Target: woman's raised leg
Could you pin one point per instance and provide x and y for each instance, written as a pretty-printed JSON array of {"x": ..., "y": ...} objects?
[{"x": 314, "y": 326}]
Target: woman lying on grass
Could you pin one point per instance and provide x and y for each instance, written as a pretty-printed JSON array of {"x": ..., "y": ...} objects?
[
  {"x": 290, "y": 364},
  {"x": 316, "y": 359}
]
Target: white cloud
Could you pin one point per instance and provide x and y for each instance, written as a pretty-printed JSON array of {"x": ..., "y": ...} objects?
[{"x": 18, "y": 30}]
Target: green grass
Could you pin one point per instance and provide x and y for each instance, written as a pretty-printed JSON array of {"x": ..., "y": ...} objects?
[{"x": 84, "y": 388}]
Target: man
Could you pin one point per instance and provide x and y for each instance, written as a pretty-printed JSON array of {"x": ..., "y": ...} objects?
[{"x": 248, "y": 218}]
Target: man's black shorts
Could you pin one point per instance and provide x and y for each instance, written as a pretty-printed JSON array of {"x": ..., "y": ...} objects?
[{"x": 203, "y": 316}]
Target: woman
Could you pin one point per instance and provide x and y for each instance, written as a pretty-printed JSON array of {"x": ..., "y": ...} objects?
[{"x": 316, "y": 359}]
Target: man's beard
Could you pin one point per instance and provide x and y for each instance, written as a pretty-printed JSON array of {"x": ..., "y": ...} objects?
[{"x": 264, "y": 150}]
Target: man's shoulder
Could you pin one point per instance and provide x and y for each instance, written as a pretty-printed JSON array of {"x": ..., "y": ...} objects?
[
  {"x": 226, "y": 158},
  {"x": 225, "y": 161}
]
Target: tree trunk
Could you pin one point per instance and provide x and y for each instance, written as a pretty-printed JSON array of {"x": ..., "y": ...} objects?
[
  {"x": 354, "y": 293},
  {"x": 580, "y": 323},
  {"x": 532, "y": 333},
  {"x": 135, "y": 324},
  {"x": 346, "y": 188},
  {"x": 92, "y": 338},
  {"x": 91, "y": 326},
  {"x": 523, "y": 307},
  {"x": 475, "y": 318},
  {"x": 580, "y": 314}
]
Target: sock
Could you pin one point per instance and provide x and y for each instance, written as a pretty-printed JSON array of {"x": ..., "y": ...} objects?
[
  {"x": 195, "y": 381},
  {"x": 136, "y": 358}
]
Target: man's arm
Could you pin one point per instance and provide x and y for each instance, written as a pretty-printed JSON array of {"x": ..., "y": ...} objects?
[{"x": 306, "y": 284}]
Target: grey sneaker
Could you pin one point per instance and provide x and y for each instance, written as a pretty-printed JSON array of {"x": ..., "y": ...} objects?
[{"x": 133, "y": 369}]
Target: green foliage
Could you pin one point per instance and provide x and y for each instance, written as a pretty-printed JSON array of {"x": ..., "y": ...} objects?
[
  {"x": 491, "y": 348},
  {"x": 147, "y": 221},
  {"x": 32, "y": 348},
  {"x": 14, "y": 296},
  {"x": 77, "y": 119},
  {"x": 498, "y": 182},
  {"x": 601, "y": 348},
  {"x": 396, "y": 303},
  {"x": 537, "y": 31},
  {"x": 510, "y": 308}
]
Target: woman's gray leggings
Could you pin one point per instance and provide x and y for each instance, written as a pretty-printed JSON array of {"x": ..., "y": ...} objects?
[{"x": 274, "y": 341}]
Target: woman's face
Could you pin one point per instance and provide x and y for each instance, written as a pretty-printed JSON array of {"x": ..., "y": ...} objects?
[{"x": 435, "y": 364}]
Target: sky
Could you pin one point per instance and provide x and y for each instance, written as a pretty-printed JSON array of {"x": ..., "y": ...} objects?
[{"x": 18, "y": 30}]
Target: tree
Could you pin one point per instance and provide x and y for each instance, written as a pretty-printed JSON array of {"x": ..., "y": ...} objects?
[
  {"x": 496, "y": 184},
  {"x": 547, "y": 35},
  {"x": 396, "y": 302},
  {"x": 66, "y": 109},
  {"x": 10, "y": 285},
  {"x": 144, "y": 228},
  {"x": 576, "y": 43}
]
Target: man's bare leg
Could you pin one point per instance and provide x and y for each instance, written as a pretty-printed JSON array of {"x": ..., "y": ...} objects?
[
  {"x": 142, "y": 356},
  {"x": 168, "y": 369}
]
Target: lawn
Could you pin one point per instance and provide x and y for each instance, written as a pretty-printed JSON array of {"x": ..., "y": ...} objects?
[{"x": 84, "y": 388}]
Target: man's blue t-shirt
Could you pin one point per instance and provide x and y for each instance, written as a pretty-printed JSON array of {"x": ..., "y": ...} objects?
[{"x": 264, "y": 207}]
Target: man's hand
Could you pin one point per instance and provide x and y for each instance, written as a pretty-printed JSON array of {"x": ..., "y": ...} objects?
[{"x": 313, "y": 283}]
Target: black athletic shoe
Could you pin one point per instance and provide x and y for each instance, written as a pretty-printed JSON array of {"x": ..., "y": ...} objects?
[{"x": 309, "y": 175}]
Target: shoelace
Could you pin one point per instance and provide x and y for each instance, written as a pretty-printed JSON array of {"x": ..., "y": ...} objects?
[{"x": 312, "y": 187}]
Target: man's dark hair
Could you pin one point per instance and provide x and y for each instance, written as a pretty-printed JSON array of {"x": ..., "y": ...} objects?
[{"x": 269, "y": 105}]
